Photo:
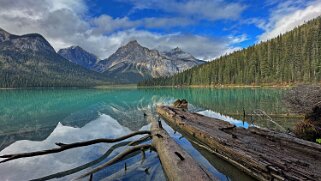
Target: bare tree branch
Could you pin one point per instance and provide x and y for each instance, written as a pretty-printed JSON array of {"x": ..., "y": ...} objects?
[
  {"x": 82, "y": 167},
  {"x": 63, "y": 146},
  {"x": 116, "y": 159},
  {"x": 140, "y": 140}
]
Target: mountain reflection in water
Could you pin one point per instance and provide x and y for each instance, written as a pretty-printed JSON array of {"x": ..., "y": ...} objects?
[{"x": 35, "y": 167}]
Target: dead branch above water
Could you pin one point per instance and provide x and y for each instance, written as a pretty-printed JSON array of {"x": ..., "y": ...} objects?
[
  {"x": 63, "y": 146},
  {"x": 116, "y": 159}
]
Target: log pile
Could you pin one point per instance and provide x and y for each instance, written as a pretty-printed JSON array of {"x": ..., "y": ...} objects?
[{"x": 263, "y": 154}]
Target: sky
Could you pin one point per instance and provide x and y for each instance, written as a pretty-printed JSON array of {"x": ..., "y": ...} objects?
[{"x": 205, "y": 28}]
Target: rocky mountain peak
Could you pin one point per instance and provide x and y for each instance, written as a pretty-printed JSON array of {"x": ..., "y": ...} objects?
[
  {"x": 178, "y": 53},
  {"x": 132, "y": 51},
  {"x": 177, "y": 49},
  {"x": 79, "y": 56},
  {"x": 75, "y": 47},
  {"x": 181, "y": 59},
  {"x": 4, "y": 35},
  {"x": 2, "y": 31},
  {"x": 132, "y": 45},
  {"x": 30, "y": 42}
]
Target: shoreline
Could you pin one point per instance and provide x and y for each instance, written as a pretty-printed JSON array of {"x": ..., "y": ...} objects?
[
  {"x": 123, "y": 86},
  {"x": 130, "y": 86},
  {"x": 89, "y": 87},
  {"x": 223, "y": 86}
]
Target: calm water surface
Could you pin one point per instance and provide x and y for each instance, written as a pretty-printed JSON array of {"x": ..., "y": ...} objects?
[{"x": 32, "y": 120}]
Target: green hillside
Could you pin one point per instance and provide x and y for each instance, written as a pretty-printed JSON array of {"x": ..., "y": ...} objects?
[
  {"x": 294, "y": 57},
  {"x": 27, "y": 70}
]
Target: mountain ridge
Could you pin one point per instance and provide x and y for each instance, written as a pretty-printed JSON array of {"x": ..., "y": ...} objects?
[
  {"x": 30, "y": 61},
  {"x": 133, "y": 62},
  {"x": 79, "y": 56}
]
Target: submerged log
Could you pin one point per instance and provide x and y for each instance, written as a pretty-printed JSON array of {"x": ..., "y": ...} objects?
[
  {"x": 177, "y": 163},
  {"x": 261, "y": 153}
]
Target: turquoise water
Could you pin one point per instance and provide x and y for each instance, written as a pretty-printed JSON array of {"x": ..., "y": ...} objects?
[{"x": 31, "y": 120}]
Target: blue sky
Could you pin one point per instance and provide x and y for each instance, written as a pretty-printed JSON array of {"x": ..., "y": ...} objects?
[{"x": 205, "y": 28}]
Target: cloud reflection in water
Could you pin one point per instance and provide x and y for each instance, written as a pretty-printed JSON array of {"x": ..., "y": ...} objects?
[{"x": 35, "y": 167}]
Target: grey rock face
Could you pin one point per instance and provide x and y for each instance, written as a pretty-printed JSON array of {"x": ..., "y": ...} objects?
[
  {"x": 4, "y": 36},
  {"x": 29, "y": 42},
  {"x": 79, "y": 56},
  {"x": 134, "y": 62},
  {"x": 181, "y": 59}
]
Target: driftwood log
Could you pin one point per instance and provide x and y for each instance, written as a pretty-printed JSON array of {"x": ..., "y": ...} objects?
[
  {"x": 177, "y": 163},
  {"x": 263, "y": 154}
]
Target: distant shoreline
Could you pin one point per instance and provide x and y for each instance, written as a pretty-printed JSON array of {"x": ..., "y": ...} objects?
[
  {"x": 89, "y": 87},
  {"x": 125, "y": 86},
  {"x": 227, "y": 86},
  {"x": 130, "y": 86}
]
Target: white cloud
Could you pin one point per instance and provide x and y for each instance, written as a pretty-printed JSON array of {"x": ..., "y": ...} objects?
[
  {"x": 108, "y": 24},
  {"x": 287, "y": 16},
  {"x": 200, "y": 46},
  {"x": 65, "y": 23},
  {"x": 166, "y": 22},
  {"x": 238, "y": 39}
]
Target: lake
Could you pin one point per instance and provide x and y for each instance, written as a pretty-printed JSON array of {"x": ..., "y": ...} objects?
[{"x": 35, "y": 119}]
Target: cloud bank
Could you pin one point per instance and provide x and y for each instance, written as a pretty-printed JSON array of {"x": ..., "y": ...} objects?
[
  {"x": 66, "y": 23},
  {"x": 287, "y": 16}
]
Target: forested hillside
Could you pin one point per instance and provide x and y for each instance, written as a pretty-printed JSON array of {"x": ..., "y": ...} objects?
[
  {"x": 30, "y": 61},
  {"x": 30, "y": 70},
  {"x": 294, "y": 57}
]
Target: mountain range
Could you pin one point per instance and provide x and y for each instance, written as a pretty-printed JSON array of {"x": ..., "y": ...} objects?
[
  {"x": 30, "y": 61},
  {"x": 132, "y": 62}
]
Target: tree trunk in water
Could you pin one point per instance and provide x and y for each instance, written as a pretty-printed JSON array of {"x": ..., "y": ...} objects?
[
  {"x": 177, "y": 163},
  {"x": 263, "y": 154}
]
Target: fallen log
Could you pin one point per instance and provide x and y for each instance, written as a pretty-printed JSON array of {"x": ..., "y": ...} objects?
[
  {"x": 177, "y": 163},
  {"x": 263, "y": 154}
]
